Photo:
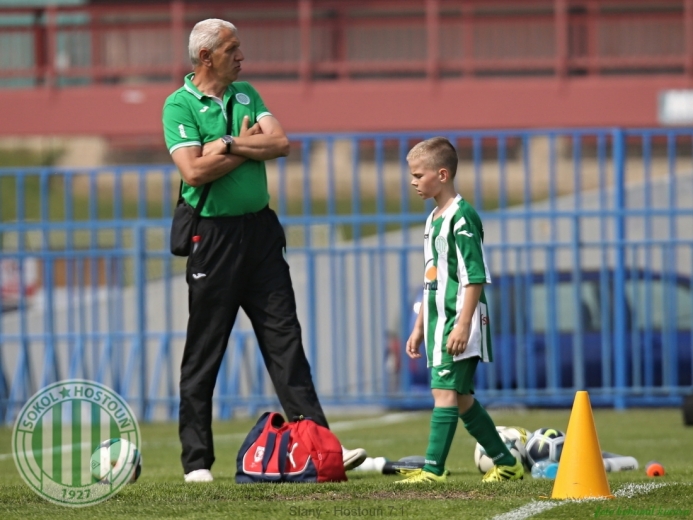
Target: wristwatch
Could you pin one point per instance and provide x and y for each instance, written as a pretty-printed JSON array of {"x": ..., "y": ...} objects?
[{"x": 228, "y": 141}]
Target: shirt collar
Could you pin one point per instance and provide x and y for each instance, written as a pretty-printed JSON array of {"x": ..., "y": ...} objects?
[
  {"x": 190, "y": 87},
  {"x": 452, "y": 207}
]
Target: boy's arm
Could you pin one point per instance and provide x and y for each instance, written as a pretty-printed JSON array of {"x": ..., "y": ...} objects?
[
  {"x": 459, "y": 336},
  {"x": 416, "y": 337}
]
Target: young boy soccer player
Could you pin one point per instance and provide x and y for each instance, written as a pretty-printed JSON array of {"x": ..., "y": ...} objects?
[{"x": 453, "y": 320}]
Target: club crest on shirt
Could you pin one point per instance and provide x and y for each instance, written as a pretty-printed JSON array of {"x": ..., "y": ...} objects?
[
  {"x": 242, "y": 98},
  {"x": 441, "y": 245}
]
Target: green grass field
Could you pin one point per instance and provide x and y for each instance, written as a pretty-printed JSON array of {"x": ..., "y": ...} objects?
[{"x": 160, "y": 492}]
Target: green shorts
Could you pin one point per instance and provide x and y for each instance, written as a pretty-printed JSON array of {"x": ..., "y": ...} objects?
[{"x": 458, "y": 376}]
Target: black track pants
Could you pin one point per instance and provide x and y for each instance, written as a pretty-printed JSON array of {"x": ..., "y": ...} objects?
[{"x": 240, "y": 262}]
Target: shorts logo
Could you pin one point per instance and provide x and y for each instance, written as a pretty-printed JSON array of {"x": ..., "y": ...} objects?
[
  {"x": 242, "y": 98},
  {"x": 56, "y": 433},
  {"x": 443, "y": 373},
  {"x": 441, "y": 245}
]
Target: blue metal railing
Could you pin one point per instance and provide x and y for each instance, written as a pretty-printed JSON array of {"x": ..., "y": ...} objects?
[{"x": 588, "y": 235}]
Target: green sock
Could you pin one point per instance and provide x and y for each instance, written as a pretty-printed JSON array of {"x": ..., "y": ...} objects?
[
  {"x": 443, "y": 426},
  {"x": 480, "y": 425}
]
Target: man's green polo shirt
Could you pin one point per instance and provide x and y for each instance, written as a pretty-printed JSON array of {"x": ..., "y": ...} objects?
[{"x": 192, "y": 118}]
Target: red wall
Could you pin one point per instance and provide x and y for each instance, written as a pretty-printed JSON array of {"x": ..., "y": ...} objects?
[{"x": 356, "y": 106}]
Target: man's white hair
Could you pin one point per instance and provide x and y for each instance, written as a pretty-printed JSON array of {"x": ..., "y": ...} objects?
[{"x": 206, "y": 35}]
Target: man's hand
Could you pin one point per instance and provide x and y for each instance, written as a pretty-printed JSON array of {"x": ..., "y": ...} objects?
[
  {"x": 458, "y": 338},
  {"x": 217, "y": 147},
  {"x": 414, "y": 343},
  {"x": 247, "y": 132}
]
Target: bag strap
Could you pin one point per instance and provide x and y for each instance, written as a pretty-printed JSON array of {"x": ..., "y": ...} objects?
[
  {"x": 269, "y": 450},
  {"x": 208, "y": 186},
  {"x": 283, "y": 450}
]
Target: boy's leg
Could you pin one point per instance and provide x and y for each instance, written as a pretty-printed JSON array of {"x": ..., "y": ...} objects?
[
  {"x": 443, "y": 427},
  {"x": 477, "y": 422},
  {"x": 480, "y": 425},
  {"x": 446, "y": 382}
]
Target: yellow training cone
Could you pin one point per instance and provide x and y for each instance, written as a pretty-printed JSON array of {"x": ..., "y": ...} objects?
[{"x": 581, "y": 471}]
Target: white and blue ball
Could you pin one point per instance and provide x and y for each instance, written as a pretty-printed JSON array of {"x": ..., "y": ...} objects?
[{"x": 545, "y": 444}]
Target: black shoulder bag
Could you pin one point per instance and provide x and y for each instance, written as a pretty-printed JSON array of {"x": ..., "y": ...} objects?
[
  {"x": 184, "y": 224},
  {"x": 186, "y": 217}
]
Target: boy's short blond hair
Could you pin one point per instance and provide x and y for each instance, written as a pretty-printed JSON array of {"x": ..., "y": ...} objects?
[{"x": 436, "y": 152}]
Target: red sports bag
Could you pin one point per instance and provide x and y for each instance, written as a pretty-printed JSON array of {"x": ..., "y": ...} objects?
[{"x": 301, "y": 451}]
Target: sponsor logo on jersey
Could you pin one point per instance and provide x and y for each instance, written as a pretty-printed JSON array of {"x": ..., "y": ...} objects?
[
  {"x": 197, "y": 276},
  {"x": 204, "y": 109},
  {"x": 484, "y": 319},
  {"x": 466, "y": 233},
  {"x": 242, "y": 98},
  {"x": 431, "y": 276},
  {"x": 181, "y": 129}
]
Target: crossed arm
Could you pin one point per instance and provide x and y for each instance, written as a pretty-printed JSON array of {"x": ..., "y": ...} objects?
[{"x": 199, "y": 165}]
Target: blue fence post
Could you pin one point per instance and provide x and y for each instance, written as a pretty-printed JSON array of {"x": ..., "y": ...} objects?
[
  {"x": 141, "y": 318},
  {"x": 405, "y": 309},
  {"x": 619, "y": 162}
]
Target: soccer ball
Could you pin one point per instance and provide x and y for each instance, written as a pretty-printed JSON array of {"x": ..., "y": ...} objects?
[
  {"x": 514, "y": 438},
  {"x": 116, "y": 460},
  {"x": 545, "y": 443},
  {"x": 521, "y": 436}
]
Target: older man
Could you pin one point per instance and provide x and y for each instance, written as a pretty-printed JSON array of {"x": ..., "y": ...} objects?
[{"x": 219, "y": 133}]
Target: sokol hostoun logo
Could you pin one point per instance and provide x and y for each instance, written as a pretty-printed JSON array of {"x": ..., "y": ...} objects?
[{"x": 57, "y": 432}]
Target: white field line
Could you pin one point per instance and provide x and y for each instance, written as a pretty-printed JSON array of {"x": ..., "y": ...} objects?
[
  {"x": 49, "y": 451},
  {"x": 340, "y": 426},
  {"x": 630, "y": 490},
  {"x": 528, "y": 510},
  {"x": 534, "y": 507}
]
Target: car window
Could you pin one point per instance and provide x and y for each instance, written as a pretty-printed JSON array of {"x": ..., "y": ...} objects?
[
  {"x": 566, "y": 314},
  {"x": 591, "y": 302},
  {"x": 516, "y": 302},
  {"x": 657, "y": 292}
]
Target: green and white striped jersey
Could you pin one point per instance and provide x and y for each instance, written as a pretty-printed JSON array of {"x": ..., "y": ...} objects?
[{"x": 454, "y": 258}]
